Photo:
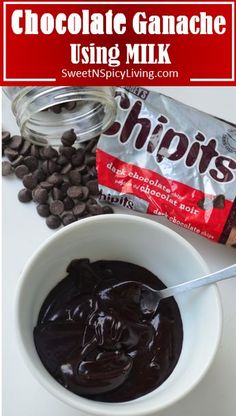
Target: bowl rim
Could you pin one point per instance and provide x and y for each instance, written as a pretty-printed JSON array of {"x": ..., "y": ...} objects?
[{"x": 80, "y": 403}]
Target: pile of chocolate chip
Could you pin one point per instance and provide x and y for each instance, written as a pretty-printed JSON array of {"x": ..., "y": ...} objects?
[{"x": 63, "y": 183}]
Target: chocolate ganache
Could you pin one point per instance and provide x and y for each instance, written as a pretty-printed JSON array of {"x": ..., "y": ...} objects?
[{"x": 96, "y": 338}]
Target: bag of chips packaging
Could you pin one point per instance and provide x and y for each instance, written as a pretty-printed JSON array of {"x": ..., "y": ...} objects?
[{"x": 163, "y": 157}]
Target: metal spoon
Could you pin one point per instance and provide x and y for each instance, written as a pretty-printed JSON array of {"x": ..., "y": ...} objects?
[{"x": 151, "y": 298}]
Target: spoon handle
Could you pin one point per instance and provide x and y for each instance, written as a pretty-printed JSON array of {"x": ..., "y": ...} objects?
[{"x": 222, "y": 274}]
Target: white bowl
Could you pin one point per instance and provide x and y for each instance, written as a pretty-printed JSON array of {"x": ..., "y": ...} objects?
[{"x": 148, "y": 244}]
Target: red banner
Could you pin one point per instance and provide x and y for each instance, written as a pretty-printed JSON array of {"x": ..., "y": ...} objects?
[{"x": 119, "y": 43}]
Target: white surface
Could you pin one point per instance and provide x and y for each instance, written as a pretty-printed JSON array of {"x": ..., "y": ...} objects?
[{"x": 24, "y": 230}]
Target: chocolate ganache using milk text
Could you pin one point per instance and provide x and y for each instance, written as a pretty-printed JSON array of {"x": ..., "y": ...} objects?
[{"x": 97, "y": 339}]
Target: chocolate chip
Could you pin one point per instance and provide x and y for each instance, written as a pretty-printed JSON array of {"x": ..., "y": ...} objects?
[
  {"x": 64, "y": 187},
  {"x": 49, "y": 152},
  {"x": 82, "y": 168},
  {"x": 18, "y": 161},
  {"x": 29, "y": 182},
  {"x": 40, "y": 195},
  {"x": 35, "y": 151},
  {"x": 92, "y": 201},
  {"x": 85, "y": 191},
  {"x": 70, "y": 105},
  {"x": 6, "y": 137},
  {"x": 45, "y": 167},
  {"x": 41, "y": 153},
  {"x": 85, "y": 178},
  {"x": 26, "y": 148},
  {"x": 57, "y": 108},
  {"x": 219, "y": 202},
  {"x": 55, "y": 179},
  {"x": 90, "y": 144},
  {"x": 10, "y": 154},
  {"x": 93, "y": 187},
  {"x": 6, "y": 168},
  {"x": 106, "y": 209},
  {"x": 75, "y": 177},
  {"x": 79, "y": 209},
  {"x": 56, "y": 207},
  {"x": 78, "y": 158},
  {"x": 21, "y": 171},
  {"x": 75, "y": 192},
  {"x": 58, "y": 194},
  {"x": 31, "y": 162},
  {"x": 68, "y": 203},
  {"x": 66, "y": 169},
  {"x": 68, "y": 219},
  {"x": 53, "y": 167},
  {"x": 46, "y": 185},
  {"x": 91, "y": 161},
  {"x": 62, "y": 160},
  {"x": 25, "y": 195},
  {"x": 39, "y": 175},
  {"x": 43, "y": 210},
  {"x": 93, "y": 172},
  {"x": 67, "y": 151},
  {"x": 68, "y": 138},
  {"x": 94, "y": 209},
  {"x": 33, "y": 193},
  {"x": 16, "y": 142},
  {"x": 53, "y": 222}
]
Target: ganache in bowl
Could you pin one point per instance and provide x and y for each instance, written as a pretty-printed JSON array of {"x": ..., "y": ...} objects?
[
  {"x": 149, "y": 245},
  {"x": 97, "y": 335}
]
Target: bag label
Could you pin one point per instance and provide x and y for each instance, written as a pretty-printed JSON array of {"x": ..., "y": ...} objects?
[{"x": 165, "y": 158}]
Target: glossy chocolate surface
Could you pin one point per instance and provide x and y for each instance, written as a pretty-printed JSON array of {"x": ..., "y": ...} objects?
[{"x": 95, "y": 338}]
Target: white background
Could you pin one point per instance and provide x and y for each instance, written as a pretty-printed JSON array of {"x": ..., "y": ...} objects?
[{"x": 24, "y": 230}]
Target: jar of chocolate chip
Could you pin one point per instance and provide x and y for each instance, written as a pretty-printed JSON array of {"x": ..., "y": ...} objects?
[{"x": 44, "y": 113}]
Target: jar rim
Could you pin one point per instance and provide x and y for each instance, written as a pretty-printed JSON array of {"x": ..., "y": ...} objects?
[{"x": 94, "y": 116}]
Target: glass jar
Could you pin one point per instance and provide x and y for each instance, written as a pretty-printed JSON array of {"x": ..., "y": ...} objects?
[{"x": 44, "y": 113}]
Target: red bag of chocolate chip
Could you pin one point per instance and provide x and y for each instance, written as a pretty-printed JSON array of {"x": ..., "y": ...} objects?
[{"x": 165, "y": 158}]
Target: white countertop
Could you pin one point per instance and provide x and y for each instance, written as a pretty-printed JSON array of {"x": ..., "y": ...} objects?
[{"x": 24, "y": 230}]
